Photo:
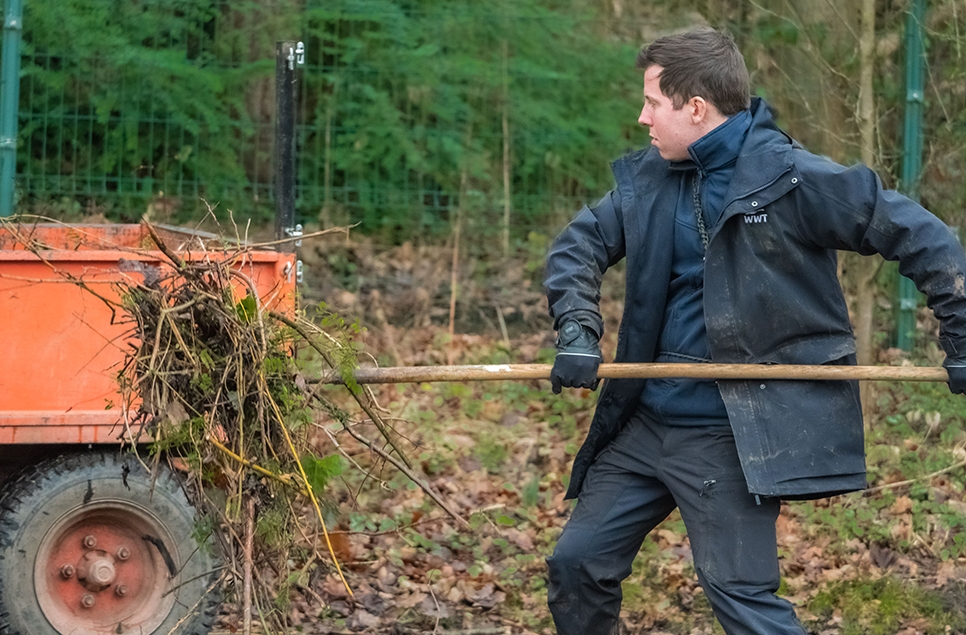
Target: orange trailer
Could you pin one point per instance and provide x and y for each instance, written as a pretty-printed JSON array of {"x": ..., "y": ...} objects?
[{"x": 90, "y": 543}]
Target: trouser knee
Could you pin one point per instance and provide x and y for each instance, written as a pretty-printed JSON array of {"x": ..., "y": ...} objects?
[
  {"x": 736, "y": 588},
  {"x": 574, "y": 568},
  {"x": 584, "y": 594},
  {"x": 568, "y": 574}
]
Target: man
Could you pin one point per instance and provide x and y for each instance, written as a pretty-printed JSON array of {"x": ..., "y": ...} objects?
[{"x": 730, "y": 231}]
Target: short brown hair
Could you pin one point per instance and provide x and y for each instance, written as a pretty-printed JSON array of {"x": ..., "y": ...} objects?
[{"x": 704, "y": 63}]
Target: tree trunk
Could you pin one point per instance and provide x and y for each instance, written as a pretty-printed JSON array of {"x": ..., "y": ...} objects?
[
  {"x": 506, "y": 152},
  {"x": 865, "y": 268},
  {"x": 325, "y": 216},
  {"x": 457, "y": 237}
]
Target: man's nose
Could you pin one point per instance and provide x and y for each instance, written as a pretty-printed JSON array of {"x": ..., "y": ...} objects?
[{"x": 644, "y": 119}]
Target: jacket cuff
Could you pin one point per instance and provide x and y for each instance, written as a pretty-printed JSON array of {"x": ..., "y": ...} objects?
[
  {"x": 954, "y": 349},
  {"x": 588, "y": 319}
]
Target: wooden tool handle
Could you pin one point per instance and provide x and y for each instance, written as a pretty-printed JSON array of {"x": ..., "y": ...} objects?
[{"x": 419, "y": 374}]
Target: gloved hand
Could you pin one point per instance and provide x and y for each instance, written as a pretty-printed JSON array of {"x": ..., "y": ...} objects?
[
  {"x": 578, "y": 356},
  {"x": 957, "y": 375}
]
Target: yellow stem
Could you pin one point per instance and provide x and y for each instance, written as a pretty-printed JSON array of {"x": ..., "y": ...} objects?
[
  {"x": 284, "y": 480},
  {"x": 308, "y": 487}
]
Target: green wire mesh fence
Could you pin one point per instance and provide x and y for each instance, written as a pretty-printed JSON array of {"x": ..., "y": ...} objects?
[{"x": 410, "y": 112}]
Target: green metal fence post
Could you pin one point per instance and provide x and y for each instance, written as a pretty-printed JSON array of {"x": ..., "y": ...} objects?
[
  {"x": 9, "y": 100},
  {"x": 911, "y": 159}
]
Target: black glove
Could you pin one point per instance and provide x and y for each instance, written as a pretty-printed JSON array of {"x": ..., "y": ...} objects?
[
  {"x": 957, "y": 375},
  {"x": 578, "y": 356}
]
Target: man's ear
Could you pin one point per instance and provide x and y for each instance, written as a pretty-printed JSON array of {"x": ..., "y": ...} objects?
[
  {"x": 698, "y": 109},
  {"x": 703, "y": 113}
]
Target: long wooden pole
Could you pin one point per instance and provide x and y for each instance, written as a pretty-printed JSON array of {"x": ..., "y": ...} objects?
[{"x": 419, "y": 374}]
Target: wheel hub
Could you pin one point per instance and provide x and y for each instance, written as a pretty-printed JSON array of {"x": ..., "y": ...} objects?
[
  {"x": 96, "y": 570},
  {"x": 100, "y": 570}
]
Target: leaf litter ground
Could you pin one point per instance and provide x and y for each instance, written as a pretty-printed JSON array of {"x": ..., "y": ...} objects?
[
  {"x": 440, "y": 502},
  {"x": 891, "y": 561}
]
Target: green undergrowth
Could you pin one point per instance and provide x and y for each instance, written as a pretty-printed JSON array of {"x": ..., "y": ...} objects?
[{"x": 887, "y": 605}]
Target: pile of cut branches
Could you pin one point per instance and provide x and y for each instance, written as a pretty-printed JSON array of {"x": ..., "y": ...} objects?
[
  {"x": 218, "y": 386},
  {"x": 213, "y": 378},
  {"x": 214, "y": 382}
]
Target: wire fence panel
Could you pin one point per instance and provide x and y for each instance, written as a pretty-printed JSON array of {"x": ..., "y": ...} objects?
[
  {"x": 410, "y": 113},
  {"x": 127, "y": 109}
]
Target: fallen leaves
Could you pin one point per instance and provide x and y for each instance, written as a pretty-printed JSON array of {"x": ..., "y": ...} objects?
[{"x": 500, "y": 454}]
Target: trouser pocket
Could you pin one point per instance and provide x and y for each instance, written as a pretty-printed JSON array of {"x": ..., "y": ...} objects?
[{"x": 736, "y": 543}]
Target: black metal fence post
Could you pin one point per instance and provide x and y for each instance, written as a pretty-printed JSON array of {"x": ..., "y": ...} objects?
[{"x": 287, "y": 56}]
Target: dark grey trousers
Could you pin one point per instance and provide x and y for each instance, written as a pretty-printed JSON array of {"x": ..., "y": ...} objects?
[{"x": 633, "y": 485}]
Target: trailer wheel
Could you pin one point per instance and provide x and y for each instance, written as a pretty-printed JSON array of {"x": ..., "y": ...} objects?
[{"x": 90, "y": 544}]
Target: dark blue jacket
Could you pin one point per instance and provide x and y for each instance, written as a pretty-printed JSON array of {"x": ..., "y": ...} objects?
[
  {"x": 771, "y": 296},
  {"x": 678, "y": 401}
]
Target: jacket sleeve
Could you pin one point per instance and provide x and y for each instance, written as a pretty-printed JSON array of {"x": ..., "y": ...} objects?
[
  {"x": 578, "y": 258},
  {"x": 861, "y": 216}
]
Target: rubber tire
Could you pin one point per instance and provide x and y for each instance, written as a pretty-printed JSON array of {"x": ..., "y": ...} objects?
[{"x": 33, "y": 500}]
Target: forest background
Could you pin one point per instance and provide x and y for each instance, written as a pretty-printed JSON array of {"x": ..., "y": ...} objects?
[{"x": 457, "y": 138}]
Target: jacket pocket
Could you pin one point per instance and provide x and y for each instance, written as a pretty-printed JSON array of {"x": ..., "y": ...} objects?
[{"x": 796, "y": 430}]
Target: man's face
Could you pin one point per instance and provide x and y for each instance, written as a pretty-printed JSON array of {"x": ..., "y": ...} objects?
[{"x": 672, "y": 130}]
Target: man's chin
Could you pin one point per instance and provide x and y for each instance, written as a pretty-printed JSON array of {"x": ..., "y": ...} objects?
[{"x": 670, "y": 157}]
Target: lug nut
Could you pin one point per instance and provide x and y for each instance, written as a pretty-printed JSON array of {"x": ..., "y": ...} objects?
[
  {"x": 87, "y": 601},
  {"x": 123, "y": 553},
  {"x": 90, "y": 542},
  {"x": 67, "y": 571},
  {"x": 120, "y": 590}
]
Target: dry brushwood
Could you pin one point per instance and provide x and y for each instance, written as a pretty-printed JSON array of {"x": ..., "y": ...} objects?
[{"x": 211, "y": 379}]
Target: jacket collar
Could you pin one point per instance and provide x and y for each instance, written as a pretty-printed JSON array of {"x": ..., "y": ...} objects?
[
  {"x": 719, "y": 148},
  {"x": 765, "y": 155}
]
